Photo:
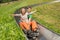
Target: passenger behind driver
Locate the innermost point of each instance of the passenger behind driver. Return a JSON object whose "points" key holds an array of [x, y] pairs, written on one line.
{"points": [[31, 22]]}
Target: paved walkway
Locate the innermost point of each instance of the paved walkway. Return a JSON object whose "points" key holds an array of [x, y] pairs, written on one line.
{"points": [[39, 4], [49, 35]]}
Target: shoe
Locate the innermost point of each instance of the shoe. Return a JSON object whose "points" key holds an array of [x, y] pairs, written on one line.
{"points": [[34, 37], [36, 31], [25, 31]]}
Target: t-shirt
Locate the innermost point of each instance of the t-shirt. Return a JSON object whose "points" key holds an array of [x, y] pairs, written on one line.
{"points": [[23, 17], [29, 16], [26, 16]]}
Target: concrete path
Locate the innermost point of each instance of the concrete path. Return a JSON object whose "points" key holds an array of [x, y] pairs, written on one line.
{"points": [[49, 35], [39, 4]]}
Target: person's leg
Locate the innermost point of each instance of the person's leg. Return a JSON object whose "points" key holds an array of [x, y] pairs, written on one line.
{"points": [[24, 26], [30, 24], [21, 25], [27, 27], [34, 25]]}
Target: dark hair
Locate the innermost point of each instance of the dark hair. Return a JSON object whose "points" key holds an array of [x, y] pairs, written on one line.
{"points": [[21, 9], [29, 7]]}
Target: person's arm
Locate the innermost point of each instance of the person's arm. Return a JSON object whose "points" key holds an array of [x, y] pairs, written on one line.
{"points": [[30, 16], [15, 14], [29, 19], [33, 12]]}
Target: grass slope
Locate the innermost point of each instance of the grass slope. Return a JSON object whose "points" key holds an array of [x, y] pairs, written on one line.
{"points": [[49, 16], [8, 28]]}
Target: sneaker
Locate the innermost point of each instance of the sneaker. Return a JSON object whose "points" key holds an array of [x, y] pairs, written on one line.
{"points": [[34, 37], [25, 31]]}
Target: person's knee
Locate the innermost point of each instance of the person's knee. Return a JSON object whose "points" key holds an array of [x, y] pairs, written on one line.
{"points": [[28, 28], [34, 21]]}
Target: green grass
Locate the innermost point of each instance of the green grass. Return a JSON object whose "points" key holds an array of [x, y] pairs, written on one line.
{"points": [[9, 30], [48, 16]]}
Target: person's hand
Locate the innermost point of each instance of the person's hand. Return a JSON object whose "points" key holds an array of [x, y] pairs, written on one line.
{"points": [[35, 10], [12, 14]]}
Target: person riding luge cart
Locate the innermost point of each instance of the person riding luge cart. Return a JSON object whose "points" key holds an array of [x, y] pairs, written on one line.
{"points": [[34, 32], [28, 25]]}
